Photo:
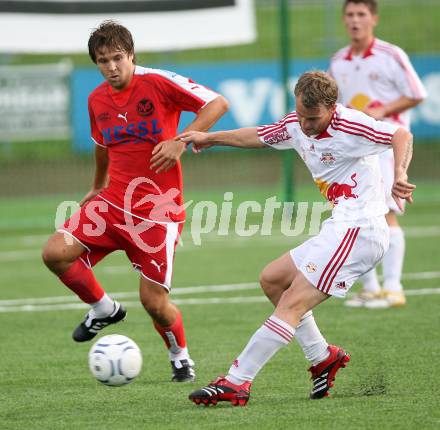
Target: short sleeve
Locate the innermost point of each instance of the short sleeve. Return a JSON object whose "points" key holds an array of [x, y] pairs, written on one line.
{"points": [[406, 79], [330, 69], [279, 134], [95, 133], [183, 93]]}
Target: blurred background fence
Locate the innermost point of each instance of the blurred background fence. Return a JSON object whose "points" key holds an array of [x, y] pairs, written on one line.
{"points": [[36, 172]]}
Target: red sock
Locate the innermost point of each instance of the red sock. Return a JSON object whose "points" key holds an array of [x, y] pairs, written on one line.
{"points": [[82, 282], [174, 335]]}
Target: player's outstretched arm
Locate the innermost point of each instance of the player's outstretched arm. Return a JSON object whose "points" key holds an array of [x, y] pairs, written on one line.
{"points": [[100, 181], [209, 115], [402, 143], [241, 138]]}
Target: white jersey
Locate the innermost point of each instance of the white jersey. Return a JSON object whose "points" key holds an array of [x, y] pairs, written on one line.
{"points": [[342, 159], [382, 75]]}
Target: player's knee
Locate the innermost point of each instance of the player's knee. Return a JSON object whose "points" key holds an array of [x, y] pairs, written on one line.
{"points": [[268, 283], [57, 252], [262, 280], [265, 285], [266, 279], [51, 256]]}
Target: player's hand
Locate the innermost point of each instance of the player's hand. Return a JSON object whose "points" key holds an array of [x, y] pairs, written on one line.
{"points": [[90, 195], [198, 139], [402, 189], [166, 154], [378, 113]]}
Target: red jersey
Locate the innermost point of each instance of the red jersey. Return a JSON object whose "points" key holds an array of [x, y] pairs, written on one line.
{"points": [[129, 124]]}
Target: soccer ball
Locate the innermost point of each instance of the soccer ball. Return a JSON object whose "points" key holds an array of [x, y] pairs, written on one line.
{"points": [[115, 360]]}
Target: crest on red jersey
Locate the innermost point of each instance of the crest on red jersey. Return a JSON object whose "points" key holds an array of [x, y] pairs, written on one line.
{"points": [[145, 107], [104, 116]]}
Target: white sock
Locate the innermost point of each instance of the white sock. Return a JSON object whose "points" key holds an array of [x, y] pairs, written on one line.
{"points": [[266, 341], [370, 282], [104, 307], [393, 261], [311, 340], [183, 354]]}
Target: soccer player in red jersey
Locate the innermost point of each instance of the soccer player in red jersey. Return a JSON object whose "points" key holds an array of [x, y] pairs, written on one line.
{"points": [[135, 203]]}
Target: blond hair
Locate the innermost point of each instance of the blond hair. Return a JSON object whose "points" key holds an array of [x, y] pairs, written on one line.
{"points": [[316, 88]]}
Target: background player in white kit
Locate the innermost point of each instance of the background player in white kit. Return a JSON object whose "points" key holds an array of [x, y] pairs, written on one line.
{"points": [[377, 78], [338, 146]]}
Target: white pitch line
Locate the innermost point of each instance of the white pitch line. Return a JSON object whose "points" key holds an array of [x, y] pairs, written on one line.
{"points": [[418, 275], [182, 290], [74, 306], [126, 268], [175, 291], [429, 230], [422, 292], [192, 301], [28, 254], [215, 241], [203, 301]]}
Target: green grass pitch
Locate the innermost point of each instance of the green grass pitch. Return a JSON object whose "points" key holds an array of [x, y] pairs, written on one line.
{"points": [[391, 381]]}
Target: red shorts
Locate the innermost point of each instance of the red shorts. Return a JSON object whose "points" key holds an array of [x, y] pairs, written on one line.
{"points": [[102, 228]]}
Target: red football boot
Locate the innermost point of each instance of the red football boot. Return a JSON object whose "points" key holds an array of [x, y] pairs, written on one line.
{"points": [[323, 374], [221, 390]]}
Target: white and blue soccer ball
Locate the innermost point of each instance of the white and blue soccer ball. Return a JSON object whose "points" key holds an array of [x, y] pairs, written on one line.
{"points": [[115, 360]]}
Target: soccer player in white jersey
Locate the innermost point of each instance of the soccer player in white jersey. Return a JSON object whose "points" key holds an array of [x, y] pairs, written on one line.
{"points": [[377, 78], [338, 145]]}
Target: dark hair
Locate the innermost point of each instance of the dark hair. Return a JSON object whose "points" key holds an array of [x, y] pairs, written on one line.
{"points": [[112, 35], [315, 88], [371, 4]]}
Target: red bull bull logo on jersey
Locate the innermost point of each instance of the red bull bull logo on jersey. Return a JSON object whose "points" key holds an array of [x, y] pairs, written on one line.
{"points": [[327, 159], [334, 191]]}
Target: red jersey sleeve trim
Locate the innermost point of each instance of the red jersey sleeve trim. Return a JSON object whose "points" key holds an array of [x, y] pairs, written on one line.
{"points": [[180, 88], [99, 144]]}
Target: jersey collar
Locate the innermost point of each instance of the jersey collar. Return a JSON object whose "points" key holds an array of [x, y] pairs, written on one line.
{"points": [[325, 134], [367, 53], [120, 98]]}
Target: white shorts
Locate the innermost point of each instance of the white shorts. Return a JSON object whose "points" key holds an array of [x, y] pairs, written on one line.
{"points": [[342, 252], [386, 161]]}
